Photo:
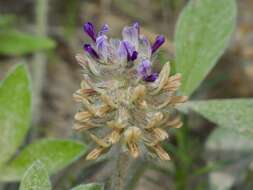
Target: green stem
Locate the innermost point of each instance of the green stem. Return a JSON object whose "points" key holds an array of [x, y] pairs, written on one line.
{"points": [[137, 170], [121, 171], [40, 60]]}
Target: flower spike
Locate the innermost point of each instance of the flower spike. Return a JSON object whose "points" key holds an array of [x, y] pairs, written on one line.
{"points": [[125, 102]]}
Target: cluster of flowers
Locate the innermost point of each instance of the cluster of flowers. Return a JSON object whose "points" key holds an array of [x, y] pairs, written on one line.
{"points": [[125, 102], [134, 47]]}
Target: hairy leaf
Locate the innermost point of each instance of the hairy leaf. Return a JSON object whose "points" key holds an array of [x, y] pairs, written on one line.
{"points": [[202, 33], [15, 111], [36, 178], [235, 114], [55, 154]]}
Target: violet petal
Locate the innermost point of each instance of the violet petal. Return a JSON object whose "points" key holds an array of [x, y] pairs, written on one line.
{"points": [[90, 50], [121, 52], [144, 68], [102, 46], [158, 42], [151, 78], [90, 30], [130, 34], [134, 56], [104, 30], [137, 26], [129, 49]]}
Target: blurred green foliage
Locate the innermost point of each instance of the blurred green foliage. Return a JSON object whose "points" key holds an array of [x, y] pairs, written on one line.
{"points": [[16, 43]]}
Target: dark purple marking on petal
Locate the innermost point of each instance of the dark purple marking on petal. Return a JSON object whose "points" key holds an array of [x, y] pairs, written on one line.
{"points": [[158, 42], [90, 50], [151, 78], [90, 30], [144, 68], [134, 56], [130, 49]]}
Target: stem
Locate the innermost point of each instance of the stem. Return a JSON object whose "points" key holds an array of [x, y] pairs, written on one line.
{"points": [[121, 170], [39, 62], [137, 169]]}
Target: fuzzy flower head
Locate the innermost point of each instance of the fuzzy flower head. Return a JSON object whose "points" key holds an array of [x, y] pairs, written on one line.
{"points": [[125, 101]]}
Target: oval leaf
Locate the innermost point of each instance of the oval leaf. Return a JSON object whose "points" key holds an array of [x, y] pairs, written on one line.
{"points": [[91, 186], [55, 154], [36, 178], [15, 111], [202, 33], [17, 43], [236, 114]]}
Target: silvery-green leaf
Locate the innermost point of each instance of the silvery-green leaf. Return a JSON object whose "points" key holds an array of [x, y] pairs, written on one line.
{"points": [[234, 114], [202, 33], [15, 111], [55, 154], [36, 178]]}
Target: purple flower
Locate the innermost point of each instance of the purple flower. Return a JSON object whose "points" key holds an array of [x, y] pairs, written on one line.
{"points": [[117, 51], [89, 49], [158, 42], [131, 52], [102, 46], [137, 26], [121, 53], [134, 56], [90, 30], [131, 35], [151, 78], [145, 71], [103, 30], [133, 46]]}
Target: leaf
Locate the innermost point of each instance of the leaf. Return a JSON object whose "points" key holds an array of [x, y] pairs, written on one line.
{"points": [[202, 33], [15, 111], [17, 43], [36, 178], [6, 21], [232, 149], [91, 186], [55, 154], [234, 114]]}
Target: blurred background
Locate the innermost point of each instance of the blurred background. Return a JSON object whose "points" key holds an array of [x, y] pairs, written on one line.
{"points": [[46, 34]]}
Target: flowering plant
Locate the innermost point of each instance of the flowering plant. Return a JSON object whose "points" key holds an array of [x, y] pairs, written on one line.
{"points": [[124, 95], [130, 102]]}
